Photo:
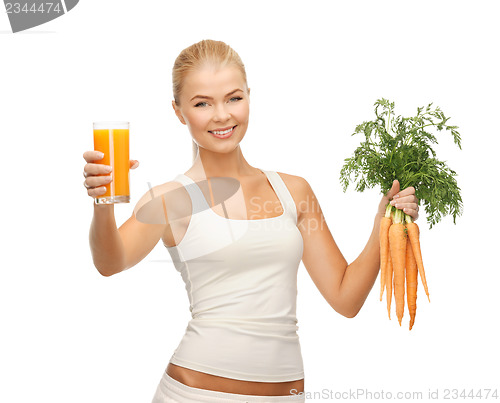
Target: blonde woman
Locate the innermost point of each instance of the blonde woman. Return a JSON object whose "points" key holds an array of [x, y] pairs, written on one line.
{"points": [[236, 234]]}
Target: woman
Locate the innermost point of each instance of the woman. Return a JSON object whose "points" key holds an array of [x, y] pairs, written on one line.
{"points": [[237, 256]]}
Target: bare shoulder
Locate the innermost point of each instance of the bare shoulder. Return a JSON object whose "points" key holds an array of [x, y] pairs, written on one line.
{"points": [[293, 182], [299, 189], [163, 203]]}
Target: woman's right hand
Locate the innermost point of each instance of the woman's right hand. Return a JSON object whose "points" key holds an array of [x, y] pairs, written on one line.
{"points": [[98, 175]]}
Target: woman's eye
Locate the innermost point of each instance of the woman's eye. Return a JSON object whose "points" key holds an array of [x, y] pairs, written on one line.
{"points": [[233, 99]]}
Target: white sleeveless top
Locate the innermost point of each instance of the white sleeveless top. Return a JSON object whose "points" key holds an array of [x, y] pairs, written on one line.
{"points": [[241, 280]]}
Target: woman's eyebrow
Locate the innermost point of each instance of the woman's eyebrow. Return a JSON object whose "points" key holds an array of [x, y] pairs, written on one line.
{"points": [[207, 97]]}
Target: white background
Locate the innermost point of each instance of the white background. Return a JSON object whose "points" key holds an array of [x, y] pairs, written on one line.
{"points": [[315, 69]]}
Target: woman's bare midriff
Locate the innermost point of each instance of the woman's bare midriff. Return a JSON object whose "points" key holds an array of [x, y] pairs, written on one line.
{"points": [[201, 380]]}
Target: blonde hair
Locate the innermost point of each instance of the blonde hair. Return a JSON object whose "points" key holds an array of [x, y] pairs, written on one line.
{"points": [[205, 52]]}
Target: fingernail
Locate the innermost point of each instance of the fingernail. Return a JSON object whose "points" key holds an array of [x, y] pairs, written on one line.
{"points": [[108, 168], [395, 197], [100, 155]]}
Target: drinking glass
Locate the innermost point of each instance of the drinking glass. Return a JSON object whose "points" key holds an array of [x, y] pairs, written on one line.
{"points": [[112, 139]]}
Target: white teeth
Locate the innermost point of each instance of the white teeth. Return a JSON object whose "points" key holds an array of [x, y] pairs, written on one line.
{"points": [[223, 132]]}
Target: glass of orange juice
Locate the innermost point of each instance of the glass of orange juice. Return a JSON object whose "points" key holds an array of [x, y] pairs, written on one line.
{"points": [[112, 139]]}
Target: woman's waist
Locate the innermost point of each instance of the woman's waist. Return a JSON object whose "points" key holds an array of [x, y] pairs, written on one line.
{"points": [[241, 352], [202, 380], [256, 326], [244, 309]]}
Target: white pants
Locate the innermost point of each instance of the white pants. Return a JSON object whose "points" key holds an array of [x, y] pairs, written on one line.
{"points": [[172, 391]]}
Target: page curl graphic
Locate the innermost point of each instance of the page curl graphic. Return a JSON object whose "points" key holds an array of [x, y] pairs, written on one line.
{"points": [[26, 14]]}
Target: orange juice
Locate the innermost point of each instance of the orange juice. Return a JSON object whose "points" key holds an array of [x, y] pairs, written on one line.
{"points": [[112, 139]]}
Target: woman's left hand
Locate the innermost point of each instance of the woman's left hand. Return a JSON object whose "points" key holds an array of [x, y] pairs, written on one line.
{"points": [[403, 200]]}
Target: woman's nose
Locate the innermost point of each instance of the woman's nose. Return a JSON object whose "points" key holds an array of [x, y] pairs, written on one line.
{"points": [[221, 114]]}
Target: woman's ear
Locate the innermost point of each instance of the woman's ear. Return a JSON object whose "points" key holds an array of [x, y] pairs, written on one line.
{"points": [[178, 112]]}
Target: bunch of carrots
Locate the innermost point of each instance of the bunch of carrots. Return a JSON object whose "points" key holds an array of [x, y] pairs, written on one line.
{"points": [[397, 147], [400, 262]]}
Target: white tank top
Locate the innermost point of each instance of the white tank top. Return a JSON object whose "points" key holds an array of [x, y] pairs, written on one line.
{"points": [[241, 280]]}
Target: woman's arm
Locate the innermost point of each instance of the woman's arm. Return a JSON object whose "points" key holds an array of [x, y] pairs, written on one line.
{"points": [[117, 249], [105, 242], [360, 275], [344, 286]]}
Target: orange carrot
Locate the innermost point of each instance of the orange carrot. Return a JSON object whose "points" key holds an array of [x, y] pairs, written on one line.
{"points": [[414, 233], [397, 245], [411, 282], [385, 223], [388, 284]]}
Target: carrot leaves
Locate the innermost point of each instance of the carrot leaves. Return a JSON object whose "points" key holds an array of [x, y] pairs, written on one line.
{"points": [[396, 147]]}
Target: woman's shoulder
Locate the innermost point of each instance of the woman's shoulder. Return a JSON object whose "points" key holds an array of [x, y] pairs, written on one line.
{"points": [[298, 188], [294, 183]]}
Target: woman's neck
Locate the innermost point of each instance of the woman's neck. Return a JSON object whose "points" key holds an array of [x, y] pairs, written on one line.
{"points": [[210, 164]]}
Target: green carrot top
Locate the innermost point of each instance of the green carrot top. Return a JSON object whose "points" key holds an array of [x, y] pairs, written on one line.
{"points": [[396, 147]]}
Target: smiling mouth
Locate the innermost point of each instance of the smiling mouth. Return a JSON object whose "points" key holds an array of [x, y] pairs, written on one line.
{"points": [[222, 132]]}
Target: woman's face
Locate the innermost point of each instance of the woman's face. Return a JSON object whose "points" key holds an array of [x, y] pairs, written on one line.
{"points": [[213, 102]]}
